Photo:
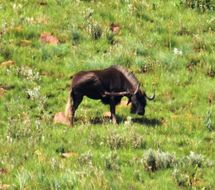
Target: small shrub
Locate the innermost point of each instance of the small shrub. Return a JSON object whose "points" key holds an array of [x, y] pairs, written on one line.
{"points": [[189, 170], [154, 160], [111, 38], [137, 141], [181, 178], [96, 31], [209, 120], [86, 159], [6, 51], [76, 37], [115, 141], [34, 93], [211, 71], [28, 73], [112, 161], [138, 176], [195, 159], [201, 5]]}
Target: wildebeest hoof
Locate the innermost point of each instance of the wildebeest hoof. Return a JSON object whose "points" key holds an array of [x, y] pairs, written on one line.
{"points": [[62, 119]]}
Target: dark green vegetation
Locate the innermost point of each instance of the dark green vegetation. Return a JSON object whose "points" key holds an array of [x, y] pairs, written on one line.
{"points": [[169, 45]]}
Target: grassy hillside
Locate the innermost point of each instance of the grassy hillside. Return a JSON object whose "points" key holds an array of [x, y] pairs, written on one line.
{"points": [[169, 45]]}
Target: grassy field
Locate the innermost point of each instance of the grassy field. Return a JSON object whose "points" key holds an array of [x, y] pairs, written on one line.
{"points": [[169, 45]]}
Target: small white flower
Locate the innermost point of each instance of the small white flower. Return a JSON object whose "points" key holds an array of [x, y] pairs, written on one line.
{"points": [[29, 73], [128, 121], [34, 93], [176, 51], [14, 6], [19, 6], [9, 139]]}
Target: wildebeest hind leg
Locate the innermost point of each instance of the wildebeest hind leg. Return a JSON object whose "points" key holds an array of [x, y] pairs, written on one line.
{"points": [[113, 110], [77, 99]]}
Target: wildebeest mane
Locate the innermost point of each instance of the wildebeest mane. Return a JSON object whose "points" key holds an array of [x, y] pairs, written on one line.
{"points": [[128, 75]]}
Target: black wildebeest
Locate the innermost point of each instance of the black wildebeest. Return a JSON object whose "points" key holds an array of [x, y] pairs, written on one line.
{"points": [[108, 85]]}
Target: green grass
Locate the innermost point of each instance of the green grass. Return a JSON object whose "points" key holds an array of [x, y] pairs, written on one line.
{"points": [[170, 48]]}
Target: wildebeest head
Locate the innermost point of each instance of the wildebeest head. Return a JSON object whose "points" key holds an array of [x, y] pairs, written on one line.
{"points": [[138, 102]]}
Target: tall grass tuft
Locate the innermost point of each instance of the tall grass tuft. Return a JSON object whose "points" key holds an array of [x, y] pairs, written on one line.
{"points": [[210, 120], [76, 37], [112, 161], [96, 31]]}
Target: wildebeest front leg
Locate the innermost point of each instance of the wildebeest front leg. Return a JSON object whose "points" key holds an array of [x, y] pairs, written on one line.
{"points": [[113, 110]]}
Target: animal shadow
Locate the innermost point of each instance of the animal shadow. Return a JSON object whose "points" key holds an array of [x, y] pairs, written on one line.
{"points": [[152, 122], [103, 120]]}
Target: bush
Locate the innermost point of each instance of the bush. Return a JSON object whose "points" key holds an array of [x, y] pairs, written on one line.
{"points": [[112, 161], [189, 169], [201, 5], [182, 179], [96, 31], [76, 37], [211, 71], [137, 141], [115, 141], [210, 120], [195, 159], [111, 38], [155, 160], [86, 159]]}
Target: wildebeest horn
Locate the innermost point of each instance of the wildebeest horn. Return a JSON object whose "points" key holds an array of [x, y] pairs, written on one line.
{"points": [[135, 92], [150, 98], [124, 93]]}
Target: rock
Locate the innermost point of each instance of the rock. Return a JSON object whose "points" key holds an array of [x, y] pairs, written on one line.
{"points": [[46, 37], [3, 171], [61, 118], [25, 43], [2, 91], [69, 154], [7, 63], [114, 28], [107, 114], [4, 186]]}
